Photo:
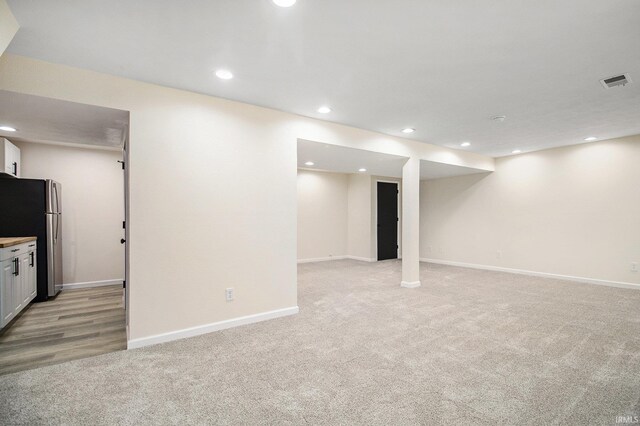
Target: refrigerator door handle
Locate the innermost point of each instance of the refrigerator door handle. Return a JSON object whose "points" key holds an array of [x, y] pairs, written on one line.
{"points": [[53, 197], [56, 208], [55, 237]]}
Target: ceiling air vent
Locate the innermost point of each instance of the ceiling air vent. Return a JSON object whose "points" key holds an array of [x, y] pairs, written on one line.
{"points": [[618, 80]]}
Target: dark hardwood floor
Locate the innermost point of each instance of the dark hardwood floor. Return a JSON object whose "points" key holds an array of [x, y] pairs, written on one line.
{"points": [[76, 324]]}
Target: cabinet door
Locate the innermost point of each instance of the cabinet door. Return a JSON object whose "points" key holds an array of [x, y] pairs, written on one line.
{"points": [[25, 279], [7, 307], [18, 284], [16, 160], [7, 155], [11, 155], [32, 287]]}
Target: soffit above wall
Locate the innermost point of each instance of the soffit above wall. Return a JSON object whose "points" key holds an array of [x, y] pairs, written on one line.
{"points": [[433, 170], [340, 159], [46, 120]]}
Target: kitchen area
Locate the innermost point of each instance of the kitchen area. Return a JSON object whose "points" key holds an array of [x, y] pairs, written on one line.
{"points": [[62, 229]]}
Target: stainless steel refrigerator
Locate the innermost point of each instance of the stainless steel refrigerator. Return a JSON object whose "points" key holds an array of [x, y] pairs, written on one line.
{"points": [[33, 207]]}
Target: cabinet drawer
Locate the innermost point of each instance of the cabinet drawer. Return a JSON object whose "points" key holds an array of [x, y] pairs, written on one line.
{"points": [[17, 250]]}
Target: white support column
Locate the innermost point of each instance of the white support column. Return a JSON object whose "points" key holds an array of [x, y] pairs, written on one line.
{"points": [[411, 224]]}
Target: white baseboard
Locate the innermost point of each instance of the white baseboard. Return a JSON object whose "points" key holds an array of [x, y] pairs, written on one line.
{"points": [[361, 259], [410, 284], [325, 259], [321, 259], [209, 328], [618, 284], [89, 284]]}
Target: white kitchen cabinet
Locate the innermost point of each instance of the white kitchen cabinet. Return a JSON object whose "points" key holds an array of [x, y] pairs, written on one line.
{"points": [[9, 158], [18, 273], [25, 282]]}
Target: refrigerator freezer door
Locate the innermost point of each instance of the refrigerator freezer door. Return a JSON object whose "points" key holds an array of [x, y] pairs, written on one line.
{"points": [[54, 197]]}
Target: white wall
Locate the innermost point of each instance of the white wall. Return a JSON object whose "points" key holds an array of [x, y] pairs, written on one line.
{"points": [[322, 214], [92, 203], [571, 211], [359, 241], [8, 26], [212, 192]]}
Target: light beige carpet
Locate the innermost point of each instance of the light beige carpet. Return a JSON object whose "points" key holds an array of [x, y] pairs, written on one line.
{"points": [[468, 347]]}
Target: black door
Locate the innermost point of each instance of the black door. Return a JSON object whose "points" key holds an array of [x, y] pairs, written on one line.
{"points": [[387, 220]]}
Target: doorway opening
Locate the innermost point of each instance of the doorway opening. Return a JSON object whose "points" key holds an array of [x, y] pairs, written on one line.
{"points": [[73, 156], [388, 220], [337, 215]]}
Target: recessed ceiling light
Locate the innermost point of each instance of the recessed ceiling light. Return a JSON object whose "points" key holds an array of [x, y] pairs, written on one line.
{"points": [[408, 130], [516, 151], [465, 144], [591, 139], [362, 170], [224, 74], [284, 3], [7, 129], [309, 163], [324, 110]]}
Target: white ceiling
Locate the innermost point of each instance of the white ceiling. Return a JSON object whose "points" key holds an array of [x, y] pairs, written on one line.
{"points": [[46, 120], [340, 159], [443, 67]]}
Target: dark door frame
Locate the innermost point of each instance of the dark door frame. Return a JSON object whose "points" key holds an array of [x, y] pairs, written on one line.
{"points": [[126, 225]]}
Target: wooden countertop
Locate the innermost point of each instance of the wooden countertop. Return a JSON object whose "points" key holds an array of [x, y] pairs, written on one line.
{"points": [[14, 241]]}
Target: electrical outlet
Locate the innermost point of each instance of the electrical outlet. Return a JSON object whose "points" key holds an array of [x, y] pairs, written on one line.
{"points": [[499, 254], [634, 266], [229, 294]]}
